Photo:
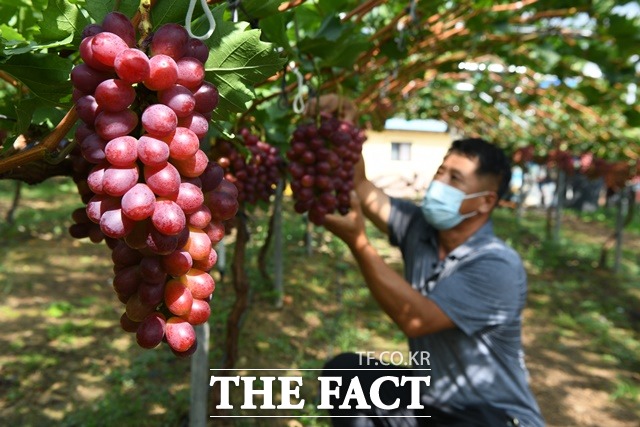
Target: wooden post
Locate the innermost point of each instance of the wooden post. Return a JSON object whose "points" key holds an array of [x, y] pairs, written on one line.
{"points": [[561, 193], [623, 206], [278, 245], [200, 379], [523, 192], [14, 204], [308, 235]]}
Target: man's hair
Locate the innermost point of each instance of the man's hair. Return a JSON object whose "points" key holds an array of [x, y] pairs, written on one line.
{"points": [[492, 161]]}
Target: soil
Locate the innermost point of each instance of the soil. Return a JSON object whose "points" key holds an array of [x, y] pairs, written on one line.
{"points": [[571, 383]]}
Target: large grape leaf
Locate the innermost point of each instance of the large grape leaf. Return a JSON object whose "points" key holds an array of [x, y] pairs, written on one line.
{"points": [[258, 9], [30, 68], [633, 117], [98, 9], [60, 19], [237, 61], [24, 113], [172, 11]]}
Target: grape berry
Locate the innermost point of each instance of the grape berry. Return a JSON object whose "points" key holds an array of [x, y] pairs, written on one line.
{"points": [[149, 190]]}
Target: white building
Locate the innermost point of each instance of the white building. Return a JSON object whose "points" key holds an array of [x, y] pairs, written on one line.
{"points": [[403, 158]]}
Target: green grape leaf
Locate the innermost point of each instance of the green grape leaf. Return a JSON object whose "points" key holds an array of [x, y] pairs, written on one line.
{"points": [[99, 9], [238, 60], [10, 33], [14, 47], [166, 11], [29, 69], [60, 19], [24, 113], [258, 9], [633, 117], [274, 30]]}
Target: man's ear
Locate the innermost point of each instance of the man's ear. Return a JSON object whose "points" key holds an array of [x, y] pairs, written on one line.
{"points": [[489, 201]]}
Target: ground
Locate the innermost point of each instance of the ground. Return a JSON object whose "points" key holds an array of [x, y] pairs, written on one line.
{"points": [[65, 361]]}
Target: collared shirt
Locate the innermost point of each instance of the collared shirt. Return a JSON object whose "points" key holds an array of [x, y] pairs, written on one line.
{"points": [[481, 286]]}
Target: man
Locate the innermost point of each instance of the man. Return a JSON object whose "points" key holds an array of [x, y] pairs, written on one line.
{"points": [[461, 298]]}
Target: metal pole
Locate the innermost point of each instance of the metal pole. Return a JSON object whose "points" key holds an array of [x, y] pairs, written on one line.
{"points": [[200, 378]]}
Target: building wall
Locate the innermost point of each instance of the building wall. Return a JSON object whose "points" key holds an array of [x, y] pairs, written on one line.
{"points": [[404, 178]]}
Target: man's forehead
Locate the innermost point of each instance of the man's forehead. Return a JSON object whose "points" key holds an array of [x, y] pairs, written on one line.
{"points": [[460, 162]]}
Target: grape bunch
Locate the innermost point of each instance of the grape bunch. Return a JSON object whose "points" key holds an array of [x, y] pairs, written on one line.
{"points": [[321, 166], [256, 179], [148, 187]]}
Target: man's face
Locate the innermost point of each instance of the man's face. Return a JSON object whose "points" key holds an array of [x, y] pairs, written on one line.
{"points": [[458, 171]]}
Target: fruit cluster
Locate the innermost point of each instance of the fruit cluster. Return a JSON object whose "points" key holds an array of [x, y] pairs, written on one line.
{"points": [[321, 166], [257, 175], [149, 188]]}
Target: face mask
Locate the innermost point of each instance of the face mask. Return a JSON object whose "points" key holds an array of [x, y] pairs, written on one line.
{"points": [[441, 205]]}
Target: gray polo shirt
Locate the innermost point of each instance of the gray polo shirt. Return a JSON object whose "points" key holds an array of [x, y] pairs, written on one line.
{"points": [[481, 285]]}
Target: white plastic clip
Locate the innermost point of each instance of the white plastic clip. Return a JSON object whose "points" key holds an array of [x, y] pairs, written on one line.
{"points": [[298, 101], [207, 12]]}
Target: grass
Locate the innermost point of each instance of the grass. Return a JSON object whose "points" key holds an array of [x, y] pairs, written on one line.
{"points": [[65, 361]]}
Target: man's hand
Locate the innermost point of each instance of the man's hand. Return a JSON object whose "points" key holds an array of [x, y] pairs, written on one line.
{"points": [[338, 106], [350, 227]]}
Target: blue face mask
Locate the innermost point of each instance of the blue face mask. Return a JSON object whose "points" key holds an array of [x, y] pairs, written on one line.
{"points": [[441, 205]]}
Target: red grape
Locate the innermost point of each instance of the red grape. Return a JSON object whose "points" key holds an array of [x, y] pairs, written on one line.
{"points": [[159, 120], [163, 73], [168, 218], [184, 144], [152, 151], [164, 180], [199, 313], [119, 24], [197, 49], [138, 202], [207, 98], [132, 66], [180, 334], [110, 125], [190, 72], [122, 151], [170, 39], [150, 332], [177, 297], [106, 46], [179, 99]]}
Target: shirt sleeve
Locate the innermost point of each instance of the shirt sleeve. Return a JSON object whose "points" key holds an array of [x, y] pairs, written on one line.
{"points": [[487, 290], [399, 222]]}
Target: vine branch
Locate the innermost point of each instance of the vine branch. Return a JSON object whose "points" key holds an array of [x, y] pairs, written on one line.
{"points": [[45, 148]]}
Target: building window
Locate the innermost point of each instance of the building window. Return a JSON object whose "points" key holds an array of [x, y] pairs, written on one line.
{"points": [[401, 151]]}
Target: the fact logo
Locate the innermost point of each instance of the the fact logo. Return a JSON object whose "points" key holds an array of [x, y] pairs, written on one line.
{"points": [[288, 388]]}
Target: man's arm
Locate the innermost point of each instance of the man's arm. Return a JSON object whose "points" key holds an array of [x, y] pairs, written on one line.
{"points": [[414, 313], [375, 204]]}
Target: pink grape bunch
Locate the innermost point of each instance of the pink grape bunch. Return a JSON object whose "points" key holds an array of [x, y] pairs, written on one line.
{"points": [[321, 166], [256, 177], [150, 190]]}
